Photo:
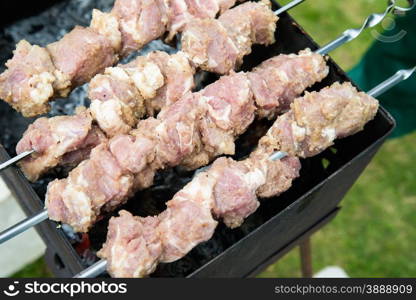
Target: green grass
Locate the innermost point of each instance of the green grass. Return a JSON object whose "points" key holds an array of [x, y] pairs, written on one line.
{"points": [[374, 234], [37, 269]]}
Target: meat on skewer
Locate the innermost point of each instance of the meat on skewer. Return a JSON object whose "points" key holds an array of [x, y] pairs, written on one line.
{"points": [[117, 107], [228, 191], [36, 75], [62, 141], [125, 93], [190, 132], [120, 97]]}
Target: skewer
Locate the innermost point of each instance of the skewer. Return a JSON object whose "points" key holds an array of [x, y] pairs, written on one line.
{"points": [[15, 159], [100, 266], [94, 270], [24, 225], [42, 216], [23, 155], [350, 34], [371, 21], [288, 6], [392, 81]]}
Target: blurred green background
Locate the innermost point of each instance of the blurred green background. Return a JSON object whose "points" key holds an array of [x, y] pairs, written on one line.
{"points": [[374, 234]]}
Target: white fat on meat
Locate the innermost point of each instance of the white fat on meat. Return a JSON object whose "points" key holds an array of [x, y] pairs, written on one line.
{"points": [[109, 116], [78, 204], [107, 25], [147, 79], [329, 133], [187, 220]]}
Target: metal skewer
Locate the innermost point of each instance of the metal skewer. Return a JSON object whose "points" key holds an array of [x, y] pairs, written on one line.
{"points": [[350, 34], [15, 159], [371, 21], [100, 266], [42, 216], [23, 226], [392, 81], [288, 6], [94, 270]]}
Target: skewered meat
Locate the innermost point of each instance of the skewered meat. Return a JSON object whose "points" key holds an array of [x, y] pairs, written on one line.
{"points": [[283, 77], [124, 94], [228, 189], [92, 54], [130, 234], [318, 118], [140, 22], [31, 79], [36, 75], [183, 11], [185, 132], [55, 137], [116, 109], [219, 45]]}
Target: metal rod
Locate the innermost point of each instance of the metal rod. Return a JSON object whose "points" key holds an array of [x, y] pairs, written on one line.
{"points": [[398, 9], [350, 34], [392, 81], [93, 271], [23, 226], [288, 6], [15, 159], [278, 155]]}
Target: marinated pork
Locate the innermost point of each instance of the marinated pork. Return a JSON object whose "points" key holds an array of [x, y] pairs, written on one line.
{"points": [[36, 75], [228, 191], [190, 132]]}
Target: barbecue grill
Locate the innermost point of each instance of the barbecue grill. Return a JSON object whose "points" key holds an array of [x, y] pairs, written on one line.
{"points": [[313, 199]]}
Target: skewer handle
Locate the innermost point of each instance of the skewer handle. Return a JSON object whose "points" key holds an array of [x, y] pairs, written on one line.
{"points": [[94, 270], [23, 226], [392, 81], [15, 159], [350, 34], [288, 6]]}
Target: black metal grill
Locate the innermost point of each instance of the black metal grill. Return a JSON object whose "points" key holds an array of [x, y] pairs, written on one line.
{"points": [[241, 252]]}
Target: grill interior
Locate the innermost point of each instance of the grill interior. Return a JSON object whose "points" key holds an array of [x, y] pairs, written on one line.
{"points": [[54, 22]]}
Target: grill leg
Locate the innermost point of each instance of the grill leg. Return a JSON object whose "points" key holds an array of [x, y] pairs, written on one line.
{"points": [[306, 258]]}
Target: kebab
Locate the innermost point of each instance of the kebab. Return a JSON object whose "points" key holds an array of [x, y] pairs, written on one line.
{"points": [[190, 132], [55, 70], [36, 75], [125, 93], [24, 225], [229, 190], [111, 115]]}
